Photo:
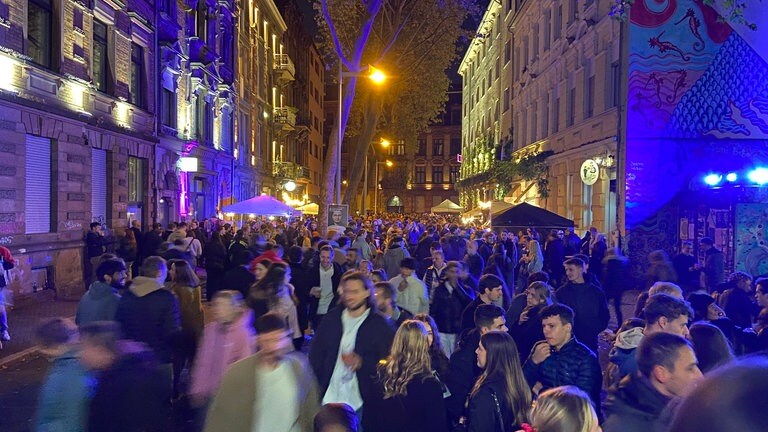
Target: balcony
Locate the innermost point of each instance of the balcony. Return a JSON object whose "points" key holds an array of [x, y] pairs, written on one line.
{"points": [[290, 170], [286, 117], [285, 70]]}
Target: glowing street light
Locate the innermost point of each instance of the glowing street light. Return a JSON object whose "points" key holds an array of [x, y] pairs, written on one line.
{"points": [[389, 163], [376, 75], [385, 143]]}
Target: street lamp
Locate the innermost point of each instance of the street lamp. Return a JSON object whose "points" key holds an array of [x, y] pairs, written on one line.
{"points": [[389, 164], [384, 144], [377, 77]]}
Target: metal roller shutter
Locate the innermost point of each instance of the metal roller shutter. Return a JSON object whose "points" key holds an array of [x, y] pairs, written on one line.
{"points": [[99, 185], [37, 200]]}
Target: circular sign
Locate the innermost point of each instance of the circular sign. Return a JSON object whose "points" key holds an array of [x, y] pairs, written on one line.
{"points": [[590, 172]]}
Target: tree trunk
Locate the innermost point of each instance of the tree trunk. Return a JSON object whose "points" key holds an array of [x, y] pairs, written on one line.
{"points": [[363, 144], [330, 162]]}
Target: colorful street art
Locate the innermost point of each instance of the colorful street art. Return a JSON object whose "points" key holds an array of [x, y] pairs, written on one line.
{"points": [[697, 101], [752, 238]]}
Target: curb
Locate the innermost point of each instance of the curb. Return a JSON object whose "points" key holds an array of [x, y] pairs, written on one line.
{"points": [[19, 355]]}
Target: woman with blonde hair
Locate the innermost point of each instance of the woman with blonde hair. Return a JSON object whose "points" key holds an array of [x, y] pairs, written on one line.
{"points": [[409, 397], [563, 409], [501, 397], [527, 330]]}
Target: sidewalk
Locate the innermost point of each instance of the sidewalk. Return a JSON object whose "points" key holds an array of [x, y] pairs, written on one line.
{"points": [[24, 317]]}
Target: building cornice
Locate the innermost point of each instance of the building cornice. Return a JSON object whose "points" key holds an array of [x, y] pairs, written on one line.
{"points": [[492, 14]]}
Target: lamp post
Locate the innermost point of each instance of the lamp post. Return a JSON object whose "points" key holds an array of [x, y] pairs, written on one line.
{"points": [[377, 77], [384, 144], [389, 164]]}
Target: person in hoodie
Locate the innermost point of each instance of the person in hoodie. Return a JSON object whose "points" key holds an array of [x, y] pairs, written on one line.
{"points": [[587, 301], [226, 340], [394, 255], [668, 369], [149, 313], [131, 393], [615, 277], [99, 303], [64, 396]]}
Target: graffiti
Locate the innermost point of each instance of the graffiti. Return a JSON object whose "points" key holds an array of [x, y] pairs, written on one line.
{"points": [[680, 84], [664, 46], [5, 241], [100, 219], [657, 81], [693, 24], [72, 225]]}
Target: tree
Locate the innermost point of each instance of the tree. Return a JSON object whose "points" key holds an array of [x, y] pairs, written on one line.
{"points": [[405, 38]]}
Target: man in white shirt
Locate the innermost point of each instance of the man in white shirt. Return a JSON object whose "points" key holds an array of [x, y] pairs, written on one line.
{"points": [[324, 282], [412, 295], [273, 390], [349, 344]]}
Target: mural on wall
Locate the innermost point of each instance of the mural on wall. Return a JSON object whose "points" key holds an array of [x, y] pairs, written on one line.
{"points": [[697, 101], [751, 238]]}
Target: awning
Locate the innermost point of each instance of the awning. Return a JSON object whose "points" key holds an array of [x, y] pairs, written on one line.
{"points": [[527, 215], [263, 205], [447, 206]]}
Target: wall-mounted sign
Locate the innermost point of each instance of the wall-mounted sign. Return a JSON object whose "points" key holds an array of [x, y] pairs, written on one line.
{"points": [[188, 164], [590, 172]]}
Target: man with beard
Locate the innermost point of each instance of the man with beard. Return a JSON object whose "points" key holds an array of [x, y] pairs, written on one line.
{"points": [[349, 343], [100, 301]]}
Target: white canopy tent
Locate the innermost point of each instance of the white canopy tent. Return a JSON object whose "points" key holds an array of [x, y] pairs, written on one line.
{"points": [[263, 205], [447, 206]]}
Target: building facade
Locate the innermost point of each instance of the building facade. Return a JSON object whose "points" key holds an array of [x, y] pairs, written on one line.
{"points": [[429, 174], [77, 107], [544, 77]]}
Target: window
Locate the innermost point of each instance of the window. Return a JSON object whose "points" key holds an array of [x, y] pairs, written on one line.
{"points": [[422, 150], [437, 147], [39, 32], [506, 100], [558, 22], [589, 100], [400, 149], [455, 146], [571, 114], [507, 52], [136, 176], [101, 72], [455, 173], [573, 10], [437, 174], [201, 20], [547, 28], [137, 90], [556, 115], [208, 123], [615, 90], [37, 197], [420, 175], [168, 107]]}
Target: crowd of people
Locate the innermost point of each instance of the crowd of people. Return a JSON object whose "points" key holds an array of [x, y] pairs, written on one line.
{"points": [[409, 324]]}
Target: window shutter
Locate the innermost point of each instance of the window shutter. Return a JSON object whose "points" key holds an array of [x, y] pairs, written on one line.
{"points": [[37, 200], [99, 186]]}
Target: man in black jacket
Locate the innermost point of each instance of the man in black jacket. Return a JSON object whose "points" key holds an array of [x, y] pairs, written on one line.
{"points": [[350, 342], [323, 281], [386, 296], [94, 248], [587, 301], [667, 369], [240, 277], [463, 366], [149, 313], [561, 359]]}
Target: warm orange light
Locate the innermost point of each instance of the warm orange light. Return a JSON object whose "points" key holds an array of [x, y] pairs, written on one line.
{"points": [[385, 142], [389, 163], [376, 75]]}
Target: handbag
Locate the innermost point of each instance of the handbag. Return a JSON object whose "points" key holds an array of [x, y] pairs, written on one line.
{"points": [[498, 411]]}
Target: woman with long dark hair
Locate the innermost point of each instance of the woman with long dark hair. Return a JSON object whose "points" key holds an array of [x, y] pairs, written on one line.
{"points": [[501, 398], [410, 398], [274, 293], [215, 256], [437, 355]]}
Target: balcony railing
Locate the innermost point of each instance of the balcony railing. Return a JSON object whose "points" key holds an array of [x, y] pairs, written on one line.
{"points": [[290, 170], [286, 117], [284, 67]]}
